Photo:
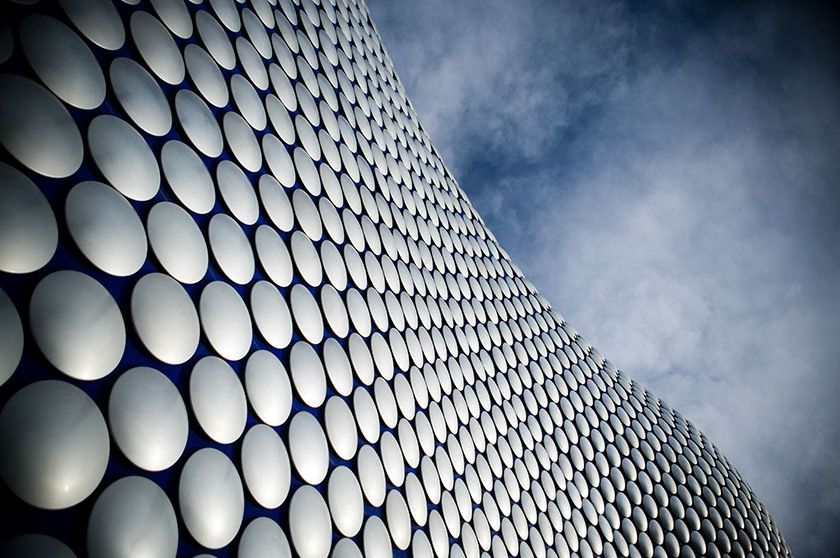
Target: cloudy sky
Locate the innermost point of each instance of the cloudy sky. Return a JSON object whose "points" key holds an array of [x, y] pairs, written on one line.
{"points": [[668, 175]]}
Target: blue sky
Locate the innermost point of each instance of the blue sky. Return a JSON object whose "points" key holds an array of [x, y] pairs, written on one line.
{"points": [[668, 175]]}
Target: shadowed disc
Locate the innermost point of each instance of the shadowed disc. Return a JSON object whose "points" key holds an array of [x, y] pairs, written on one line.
{"points": [[55, 445]]}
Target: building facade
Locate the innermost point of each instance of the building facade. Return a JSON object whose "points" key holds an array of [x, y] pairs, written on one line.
{"points": [[247, 311]]}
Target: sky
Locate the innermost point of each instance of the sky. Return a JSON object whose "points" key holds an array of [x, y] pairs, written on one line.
{"points": [[668, 175]]}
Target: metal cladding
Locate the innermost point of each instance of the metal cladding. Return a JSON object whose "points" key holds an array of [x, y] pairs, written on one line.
{"points": [[245, 310]]}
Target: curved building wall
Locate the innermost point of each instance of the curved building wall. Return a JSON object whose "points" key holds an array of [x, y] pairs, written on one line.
{"points": [[246, 311]]}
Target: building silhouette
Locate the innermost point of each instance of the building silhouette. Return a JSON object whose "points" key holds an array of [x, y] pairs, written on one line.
{"points": [[247, 311]]}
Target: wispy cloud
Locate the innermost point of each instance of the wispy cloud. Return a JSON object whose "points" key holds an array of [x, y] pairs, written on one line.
{"points": [[669, 179]]}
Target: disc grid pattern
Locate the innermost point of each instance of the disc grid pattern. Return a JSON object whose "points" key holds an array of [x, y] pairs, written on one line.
{"points": [[247, 311]]}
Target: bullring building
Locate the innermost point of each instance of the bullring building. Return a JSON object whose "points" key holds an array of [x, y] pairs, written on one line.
{"points": [[246, 311]]}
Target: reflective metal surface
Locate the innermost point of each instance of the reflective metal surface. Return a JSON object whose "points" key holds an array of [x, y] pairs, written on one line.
{"points": [[132, 513], [175, 15], [273, 255], [361, 359], [237, 192], [308, 448], [227, 13], [271, 314], [406, 389], [11, 338], [105, 228], [278, 160], [307, 138], [307, 374], [55, 445], [335, 311], [36, 129], [377, 543], [210, 498], [77, 325], [199, 123], [205, 73], [346, 548], [371, 475], [265, 466], [345, 500], [177, 242], [62, 61], [123, 157], [148, 419], [140, 96], [215, 39], [307, 314], [28, 230], [276, 203], [26, 546], [399, 522], [251, 63], [341, 427], [263, 538], [280, 77], [338, 367], [306, 259], [218, 400], [268, 387], [307, 215], [280, 120], [97, 20], [309, 523], [187, 176], [157, 47], [307, 172], [242, 142], [255, 31], [248, 102], [165, 318], [231, 248]]}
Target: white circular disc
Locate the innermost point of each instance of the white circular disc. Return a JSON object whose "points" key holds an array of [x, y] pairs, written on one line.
{"points": [[77, 325], [27, 546], [210, 498], [231, 249], [28, 230], [36, 129], [140, 96], [309, 523], [11, 338], [218, 400], [265, 466], [62, 61], [188, 177], [177, 242], [341, 427], [148, 419], [308, 448], [346, 503], [106, 228], [268, 387], [225, 320], [132, 513], [274, 256], [307, 314], [123, 157], [308, 374], [271, 314], [165, 319], [55, 444], [263, 538]]}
